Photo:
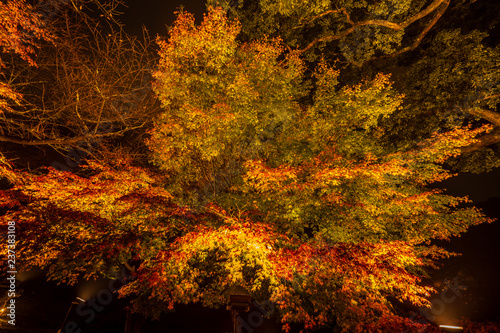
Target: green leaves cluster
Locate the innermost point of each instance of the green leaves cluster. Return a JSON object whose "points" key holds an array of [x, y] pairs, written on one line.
{"points": [[223, 101]]}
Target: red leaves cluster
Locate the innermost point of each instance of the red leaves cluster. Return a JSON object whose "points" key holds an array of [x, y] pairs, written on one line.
{"points": [[20, 30], [20, 26]]}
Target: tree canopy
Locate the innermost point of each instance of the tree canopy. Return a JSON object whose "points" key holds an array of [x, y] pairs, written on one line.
{"points": [[267, 169]]}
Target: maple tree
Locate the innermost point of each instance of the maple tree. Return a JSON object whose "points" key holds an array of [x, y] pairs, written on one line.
{"points": [[362, 29], [261, 180]]}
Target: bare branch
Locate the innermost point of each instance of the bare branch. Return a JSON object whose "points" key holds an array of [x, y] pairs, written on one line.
{"points": [[60, 141]]}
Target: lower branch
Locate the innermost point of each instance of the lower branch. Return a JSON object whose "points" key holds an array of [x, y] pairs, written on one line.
{"points": [[487, 139]]}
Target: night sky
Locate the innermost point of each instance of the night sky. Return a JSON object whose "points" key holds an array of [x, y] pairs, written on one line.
{"points": [[156, 15], [477, 269]]}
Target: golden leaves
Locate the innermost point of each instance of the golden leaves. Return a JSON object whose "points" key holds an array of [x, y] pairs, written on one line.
{"points": [[263, 178], [19, 27], [221, 99]]}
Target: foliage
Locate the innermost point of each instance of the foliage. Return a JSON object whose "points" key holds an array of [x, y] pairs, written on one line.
{"points": [[450, 77], [456, 82], [20, 29], [359, 30], [87, 225], [223, 102]]}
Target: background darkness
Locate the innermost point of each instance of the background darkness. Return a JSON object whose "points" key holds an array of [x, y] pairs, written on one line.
{"points": [[157, 14], [43, 305]]}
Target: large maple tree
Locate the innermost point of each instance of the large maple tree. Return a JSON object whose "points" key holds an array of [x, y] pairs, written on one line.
{"points": [[258, 179]]}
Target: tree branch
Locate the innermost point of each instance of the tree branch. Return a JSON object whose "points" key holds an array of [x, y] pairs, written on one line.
{"points": [[491, 116], [68, 141], [384, 23], [487, 139], [421, 36], [432, 7], [491, 96], [328, 39], [484, 141], [130, 268]]}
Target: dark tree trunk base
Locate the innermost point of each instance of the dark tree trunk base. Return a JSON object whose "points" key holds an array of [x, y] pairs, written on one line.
{"points": [[134, 323]]}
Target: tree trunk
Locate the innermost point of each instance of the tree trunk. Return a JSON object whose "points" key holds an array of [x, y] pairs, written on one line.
{"points": [[134, 322]]}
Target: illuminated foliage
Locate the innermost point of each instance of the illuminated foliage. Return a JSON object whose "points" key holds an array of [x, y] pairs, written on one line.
{"points": [[88, 225], [442, 62], [360, 30], [20, 30], [325, 184], [455, 82], [223, 102]]}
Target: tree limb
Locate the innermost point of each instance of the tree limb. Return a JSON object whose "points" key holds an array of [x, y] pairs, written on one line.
{"points": [[487, 139], [422, 34], [130, 268], [432, 7], [491, 96], [62, 141], [384, 23]]}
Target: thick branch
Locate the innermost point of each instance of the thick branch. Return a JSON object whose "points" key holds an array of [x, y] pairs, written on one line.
{"points": [[492, 96], [487, 139], [484, 141], [422, 34], [491, 116], [62, 141], [384, 23], [328, 39], [432, 7], [130, 268]]}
